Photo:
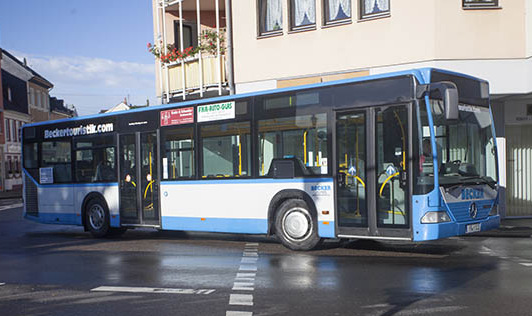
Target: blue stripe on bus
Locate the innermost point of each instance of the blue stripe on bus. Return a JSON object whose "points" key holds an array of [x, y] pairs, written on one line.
{"points": [[56, 218], [326, 230], [244, 181], [219, 225]]}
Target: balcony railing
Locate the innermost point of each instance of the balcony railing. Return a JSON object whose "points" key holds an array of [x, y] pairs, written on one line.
{"points": [[213, 75]]}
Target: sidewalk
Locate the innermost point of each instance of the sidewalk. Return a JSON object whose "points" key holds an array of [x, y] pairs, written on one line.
{"points": [[16, 194]]}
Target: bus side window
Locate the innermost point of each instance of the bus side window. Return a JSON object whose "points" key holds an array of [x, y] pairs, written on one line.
{"points": [[178, 156], [226, 150], [56, 154], [296, 137]]}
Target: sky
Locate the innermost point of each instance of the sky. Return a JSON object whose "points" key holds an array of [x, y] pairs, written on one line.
{"points": [[94, 52]]}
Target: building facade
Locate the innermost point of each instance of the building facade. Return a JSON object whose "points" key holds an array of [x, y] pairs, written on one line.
{"points": [[281, 43]]}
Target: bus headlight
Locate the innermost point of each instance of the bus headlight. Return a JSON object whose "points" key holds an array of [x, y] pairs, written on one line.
{"points": [[494, 210], [435, 217]]}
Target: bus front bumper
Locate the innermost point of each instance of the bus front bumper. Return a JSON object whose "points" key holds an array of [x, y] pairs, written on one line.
{"points": [[442, 230]]}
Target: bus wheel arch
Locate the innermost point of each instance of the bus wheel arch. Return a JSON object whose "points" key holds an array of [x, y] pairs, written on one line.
{"points": [[296, 207], [95, 206]]}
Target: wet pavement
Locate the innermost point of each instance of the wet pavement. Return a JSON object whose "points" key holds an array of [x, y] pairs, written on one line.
{"points": [[61, 270]]}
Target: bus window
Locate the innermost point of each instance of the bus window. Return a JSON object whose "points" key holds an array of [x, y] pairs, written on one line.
{"points": [[95, 159], [226, 150], [423, 166], [31, 160], [178, 159], [56, 154], [302, 137]]}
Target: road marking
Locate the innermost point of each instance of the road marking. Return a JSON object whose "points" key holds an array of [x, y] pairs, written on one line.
{"points": [[241, 299], [526, 264], [250, 254], [243, 286], [246, 275], [7, 207], [151, 290], [247, 267], [249, 260], [233, 313]]}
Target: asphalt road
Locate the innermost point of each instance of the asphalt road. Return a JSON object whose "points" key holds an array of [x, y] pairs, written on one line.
{"points": [[61, 270]]}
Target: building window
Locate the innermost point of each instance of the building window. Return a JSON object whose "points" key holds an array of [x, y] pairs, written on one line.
{"points": [[190, 35], [14, 130], [480, 3], [8, 130], [374, 8], [302, 13], [336, 10], [270, 16], [38, 93], [32, 97]]}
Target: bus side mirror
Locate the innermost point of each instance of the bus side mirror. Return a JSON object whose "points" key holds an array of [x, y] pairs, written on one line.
{"points": [[449, 94]]}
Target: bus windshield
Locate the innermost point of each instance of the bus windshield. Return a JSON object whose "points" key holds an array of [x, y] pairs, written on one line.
{"points": [[465, 147]]}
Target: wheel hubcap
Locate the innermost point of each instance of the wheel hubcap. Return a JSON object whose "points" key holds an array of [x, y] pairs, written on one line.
{"points": [[297, 224], [96, 217]]}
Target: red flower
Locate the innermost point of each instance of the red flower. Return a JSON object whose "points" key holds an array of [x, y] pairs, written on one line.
{"points": [[149, 45]]}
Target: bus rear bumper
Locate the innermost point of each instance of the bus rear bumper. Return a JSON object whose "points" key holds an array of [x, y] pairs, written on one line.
{"points": [[443, 230]]}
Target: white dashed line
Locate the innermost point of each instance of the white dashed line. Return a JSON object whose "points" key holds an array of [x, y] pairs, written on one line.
{"points": [[243, 286], [526, 264], [151, 290], [245, 281], [233, 313], [247, 267], [7, 207], [249, 260], [241, 299]]}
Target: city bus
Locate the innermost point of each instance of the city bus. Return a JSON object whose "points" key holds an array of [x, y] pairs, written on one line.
{"points": [[405, 156]]}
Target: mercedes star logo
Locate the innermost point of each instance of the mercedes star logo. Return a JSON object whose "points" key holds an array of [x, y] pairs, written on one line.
{"points": [[473, 210]]}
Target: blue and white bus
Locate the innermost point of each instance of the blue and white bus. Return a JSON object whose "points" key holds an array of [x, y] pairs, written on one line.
{"points": [[403, 156]]}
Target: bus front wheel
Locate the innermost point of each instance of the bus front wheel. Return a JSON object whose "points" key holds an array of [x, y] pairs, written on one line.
{"points": [[295, 226], [97, 218]]}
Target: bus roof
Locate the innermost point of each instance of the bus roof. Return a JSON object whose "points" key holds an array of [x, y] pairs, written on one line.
{"points": [[423, 76]]}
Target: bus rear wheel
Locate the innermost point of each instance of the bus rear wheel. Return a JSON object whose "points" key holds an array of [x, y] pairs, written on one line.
{"points": [[97, 218], [295, 226]]}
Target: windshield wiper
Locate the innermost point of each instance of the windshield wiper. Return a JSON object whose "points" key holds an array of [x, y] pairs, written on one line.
{"points": [[485, 180]]}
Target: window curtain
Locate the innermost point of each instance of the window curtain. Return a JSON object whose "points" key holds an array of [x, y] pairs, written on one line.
{"points": [[376, 6], [274, 15], [304, 12], [339, 9]]}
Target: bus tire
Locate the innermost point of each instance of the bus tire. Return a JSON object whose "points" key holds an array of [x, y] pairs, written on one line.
{"points": [[97, 218], [295, 225]]}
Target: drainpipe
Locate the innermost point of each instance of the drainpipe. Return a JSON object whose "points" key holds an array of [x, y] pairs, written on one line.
{"points": [[229, 26]]}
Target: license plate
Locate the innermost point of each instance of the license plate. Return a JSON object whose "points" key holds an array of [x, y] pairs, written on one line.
{"points": [[473, 228]]}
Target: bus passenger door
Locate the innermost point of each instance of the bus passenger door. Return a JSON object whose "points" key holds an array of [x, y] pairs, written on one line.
{"points": [[351, 181], [372, 172], [139, 179]]}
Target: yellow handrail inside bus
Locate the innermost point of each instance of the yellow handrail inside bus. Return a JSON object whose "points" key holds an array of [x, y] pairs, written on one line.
{"points": [[305, 146], [239, 155], [386, 181], [402, 138]]}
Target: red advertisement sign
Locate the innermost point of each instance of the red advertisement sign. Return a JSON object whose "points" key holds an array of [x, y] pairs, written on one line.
{"points": [[177, 116]]}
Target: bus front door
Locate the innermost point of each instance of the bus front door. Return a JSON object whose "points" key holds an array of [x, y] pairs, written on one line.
{"points": [[372, 172], [139, 183]]}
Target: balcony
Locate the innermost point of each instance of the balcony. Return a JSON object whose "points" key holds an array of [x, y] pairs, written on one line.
{"points": [[213, 71], [183, 25]]}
